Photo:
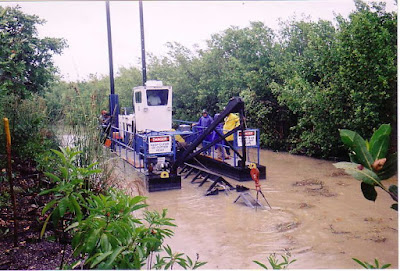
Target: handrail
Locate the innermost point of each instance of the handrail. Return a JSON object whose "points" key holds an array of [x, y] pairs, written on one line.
{"points": [[141, 153]]}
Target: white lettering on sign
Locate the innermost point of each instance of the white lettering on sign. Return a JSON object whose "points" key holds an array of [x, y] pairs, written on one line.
{"points": [[249, 135], [160, 144]]}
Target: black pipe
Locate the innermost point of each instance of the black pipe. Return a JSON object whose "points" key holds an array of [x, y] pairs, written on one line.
{"points": [[235, 105], [144, 75], [214, 142], [243, 128], [110, 55]]}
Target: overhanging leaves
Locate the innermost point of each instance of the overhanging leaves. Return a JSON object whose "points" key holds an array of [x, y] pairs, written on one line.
{"points": [[357, 144], [393, 192], [379, 142], [359, 172], [390, 167], [369, 191]]}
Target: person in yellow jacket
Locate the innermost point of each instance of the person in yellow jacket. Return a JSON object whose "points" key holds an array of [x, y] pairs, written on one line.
{"points": [[180, 141], [231, 121]]}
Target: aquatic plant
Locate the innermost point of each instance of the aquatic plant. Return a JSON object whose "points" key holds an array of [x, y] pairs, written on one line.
{"points": [[178, 258], [370, 266], [275, 263]]}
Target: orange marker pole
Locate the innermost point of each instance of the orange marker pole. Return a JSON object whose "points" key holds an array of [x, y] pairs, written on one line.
{"points": [[10, 179]]}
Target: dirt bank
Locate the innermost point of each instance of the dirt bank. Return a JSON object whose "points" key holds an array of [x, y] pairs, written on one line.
{"points": [[318, 214]]}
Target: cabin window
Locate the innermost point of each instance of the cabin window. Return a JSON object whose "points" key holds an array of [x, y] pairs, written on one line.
{"points": [[138, 97], [156, 97]]}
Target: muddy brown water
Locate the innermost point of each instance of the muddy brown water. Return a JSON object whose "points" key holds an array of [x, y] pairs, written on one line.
{"points": [[318, 215]]}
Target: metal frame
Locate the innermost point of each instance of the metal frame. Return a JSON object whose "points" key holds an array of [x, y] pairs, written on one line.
{"points": [[235, 105]]}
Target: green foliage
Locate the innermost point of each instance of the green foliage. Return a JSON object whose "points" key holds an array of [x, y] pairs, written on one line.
{"points": [[338, 77], [46, 161], [359, 147], [371, 266], [4, 199], [168, 262], [379, 143], [275, 263], [76, 113], [370, 162], [79, 102], [105, 233], [360, 173], [109, 233], [112, 238], [306, 50], [301, 83], [300, 90], [70, 190], [76, 107], [367, 54], [29, 125], [26, 70], [272, 119], [25, 59], [126, 79], [4, 196], [236, 62]]}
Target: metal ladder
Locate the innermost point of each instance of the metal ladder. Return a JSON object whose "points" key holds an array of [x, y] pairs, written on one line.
{"points": [[203, 175]]}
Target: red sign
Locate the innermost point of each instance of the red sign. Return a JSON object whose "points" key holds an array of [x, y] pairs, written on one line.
{"points": [[159, 139], [247, 133], [160, 144], [250, 137]]}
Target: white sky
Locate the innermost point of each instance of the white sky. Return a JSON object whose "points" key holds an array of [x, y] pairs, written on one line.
{"points": [[83, 25]]}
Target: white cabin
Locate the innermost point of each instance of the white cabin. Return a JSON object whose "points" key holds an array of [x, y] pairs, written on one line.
{"points": [[152, 105]]}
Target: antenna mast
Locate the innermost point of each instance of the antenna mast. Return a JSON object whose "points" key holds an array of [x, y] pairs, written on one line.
{"points": [[144, 75], [110, 53]]}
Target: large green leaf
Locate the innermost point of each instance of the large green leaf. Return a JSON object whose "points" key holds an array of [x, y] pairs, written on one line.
{"points": [[63, 205], [92, 240], [113, 240], [64, 173], [100, 258], [137, 199], [48, 191], [49, 205], [393, 192], [379, 142], [55, 217], [104, 243], [60, 155], [368, 191], [52, 177], [113, 256], [390, 167], [353, 158], [357, 144], [76, 207], [347, 137], [360, 263], [359, 172]]}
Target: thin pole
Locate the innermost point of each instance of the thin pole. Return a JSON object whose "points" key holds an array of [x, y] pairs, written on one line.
{"points": [[243, 128], [10, 179], [144, 75], [110, 55]]}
